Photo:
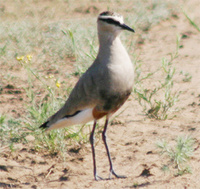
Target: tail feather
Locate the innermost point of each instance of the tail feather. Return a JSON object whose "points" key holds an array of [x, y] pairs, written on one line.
{"points": [[44, 125], [79, 117]]}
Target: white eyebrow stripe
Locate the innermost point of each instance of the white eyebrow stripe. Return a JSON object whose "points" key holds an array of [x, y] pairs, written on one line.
{"points": [[116, 18]]}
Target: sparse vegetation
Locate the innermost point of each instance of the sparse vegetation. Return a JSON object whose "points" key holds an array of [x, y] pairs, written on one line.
{"points": [[10, 133], [187, 76], [40, 109], [178, 154], [158, 101]]}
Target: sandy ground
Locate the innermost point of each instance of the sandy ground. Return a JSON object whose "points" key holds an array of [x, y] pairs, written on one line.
{"points": [[132, 139]]}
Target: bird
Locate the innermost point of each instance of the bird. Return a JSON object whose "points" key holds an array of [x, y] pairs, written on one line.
{"points": [[103, 88]]}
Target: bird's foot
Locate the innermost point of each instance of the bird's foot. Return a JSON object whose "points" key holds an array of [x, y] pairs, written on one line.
{"points": [[96, 177], [112, 172]]}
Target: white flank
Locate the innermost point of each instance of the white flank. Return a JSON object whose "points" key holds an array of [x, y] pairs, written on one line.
{"points": [[81, 118]]}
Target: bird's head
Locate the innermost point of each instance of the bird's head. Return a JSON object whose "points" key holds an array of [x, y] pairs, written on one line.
{"points": [[110, 22]]}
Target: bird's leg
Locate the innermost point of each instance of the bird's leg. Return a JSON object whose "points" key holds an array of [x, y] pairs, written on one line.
{"points": [[96, 177], [112, 172]]}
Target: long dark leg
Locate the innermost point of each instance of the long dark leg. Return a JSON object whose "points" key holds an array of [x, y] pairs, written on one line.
{"points": [[96, 177], [108, 153]]}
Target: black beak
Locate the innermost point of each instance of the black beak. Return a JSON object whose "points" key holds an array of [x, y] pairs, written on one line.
{"points": [[125, 27]]}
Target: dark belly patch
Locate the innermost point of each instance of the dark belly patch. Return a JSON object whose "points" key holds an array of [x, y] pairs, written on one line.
{"points": [[113, 102]]}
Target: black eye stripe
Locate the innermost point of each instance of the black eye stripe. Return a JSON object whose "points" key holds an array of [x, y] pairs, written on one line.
{"points": [[110, 21]]}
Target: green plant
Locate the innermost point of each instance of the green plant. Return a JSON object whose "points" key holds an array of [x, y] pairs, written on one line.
{"points": [[191, 21], [157, 101], [2, 119], [187, 76], [11, 132], [74, 49], [179, 153], [39, 110]]}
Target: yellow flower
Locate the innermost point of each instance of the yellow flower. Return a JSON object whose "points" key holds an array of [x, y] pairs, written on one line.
{"points": [[19, 58], [58, 84], [29, 57]]}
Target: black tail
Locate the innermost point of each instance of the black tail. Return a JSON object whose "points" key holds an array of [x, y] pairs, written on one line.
{"points": [[44, 125]]}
